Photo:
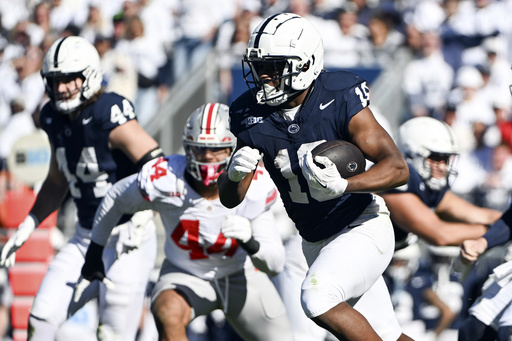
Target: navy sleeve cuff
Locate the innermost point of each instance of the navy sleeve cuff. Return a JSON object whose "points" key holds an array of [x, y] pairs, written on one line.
{"points": [[499, 233]]}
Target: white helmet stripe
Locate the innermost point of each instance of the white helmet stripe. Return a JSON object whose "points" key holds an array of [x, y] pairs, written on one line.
{"points": [[209, 118]]}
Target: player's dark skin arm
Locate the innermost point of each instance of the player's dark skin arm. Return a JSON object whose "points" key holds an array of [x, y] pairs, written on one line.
{"points": [[390, 169], [232, 193]]}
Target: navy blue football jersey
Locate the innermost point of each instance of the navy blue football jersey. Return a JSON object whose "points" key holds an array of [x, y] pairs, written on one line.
{"points": [[417, 186], [335, 98], [83, 153]]}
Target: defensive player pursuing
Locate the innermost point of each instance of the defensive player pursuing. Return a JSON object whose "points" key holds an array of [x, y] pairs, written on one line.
{"points": [[490, 317], [95, 140], [426, 207], [208, 248], [347, 234]]}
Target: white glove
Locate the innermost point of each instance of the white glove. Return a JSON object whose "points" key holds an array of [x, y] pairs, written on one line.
{"points": [[26, 228], [243, 162], [132, 233], [328, 179], [237, 227]]}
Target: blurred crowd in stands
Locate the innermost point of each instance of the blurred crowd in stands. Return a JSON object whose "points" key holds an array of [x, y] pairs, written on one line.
{"points": [[456, 57]]}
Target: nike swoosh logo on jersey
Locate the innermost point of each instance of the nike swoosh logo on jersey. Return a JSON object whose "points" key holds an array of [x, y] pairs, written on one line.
{"points": [[323, 106], [86, 120]]}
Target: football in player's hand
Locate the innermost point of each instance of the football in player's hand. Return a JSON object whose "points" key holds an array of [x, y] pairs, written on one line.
{"points": [[347, 157]]}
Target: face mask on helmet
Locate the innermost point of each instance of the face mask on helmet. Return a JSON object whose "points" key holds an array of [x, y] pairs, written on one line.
{"points": [[207, 130], [288, 52], [67, 60], [423, 138]]}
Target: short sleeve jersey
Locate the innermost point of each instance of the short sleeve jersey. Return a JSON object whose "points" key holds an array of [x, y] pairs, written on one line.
{"points": [[83, 153], [334, 99]]}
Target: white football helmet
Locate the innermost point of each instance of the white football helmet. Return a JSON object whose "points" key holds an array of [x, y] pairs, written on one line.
{"points": [[72, 57], [207, 127], [287, 47], [423, 137]]}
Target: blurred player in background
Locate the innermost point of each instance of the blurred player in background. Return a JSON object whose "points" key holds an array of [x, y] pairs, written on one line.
{"points": [[425, 207], [211, 251], [346, 231], [490, 316], [95, 140]]}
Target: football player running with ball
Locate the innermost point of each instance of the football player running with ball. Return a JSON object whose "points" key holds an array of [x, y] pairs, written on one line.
{"points": [[211, 251], [347, 234], [95, 141]]}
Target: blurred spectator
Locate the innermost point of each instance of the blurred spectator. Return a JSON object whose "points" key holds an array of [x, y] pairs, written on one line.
{"points": [[384, 40], [119, 72], [345, 40], [95, 24], [41, 17], [475, 162], [495, 190], [64, 13], [197, 21], [23, 35], [498, 68], [468, 23], [13, 12], [21, 93], [270, 7], [148, 56], [472, 106], [428, 79], [365, 10], [231, 43]]}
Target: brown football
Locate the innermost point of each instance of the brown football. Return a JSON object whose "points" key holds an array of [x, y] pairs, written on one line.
{"points": [[346, 156]]}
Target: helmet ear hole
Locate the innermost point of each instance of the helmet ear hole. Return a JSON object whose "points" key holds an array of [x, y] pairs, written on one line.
{"points": [[305, 67]]}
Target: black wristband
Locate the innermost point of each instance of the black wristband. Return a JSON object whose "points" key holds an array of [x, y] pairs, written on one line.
{"points": [[251, 247], [152, 154], [93, 267]]}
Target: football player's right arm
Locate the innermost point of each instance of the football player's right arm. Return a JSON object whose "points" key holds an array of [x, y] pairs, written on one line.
{"points": [[123, 197], [410, 214], [235, 181], [48, 199], [454, 208]]}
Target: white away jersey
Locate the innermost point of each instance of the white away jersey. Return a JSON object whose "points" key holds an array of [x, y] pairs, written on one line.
{"points": [[194, 241]]}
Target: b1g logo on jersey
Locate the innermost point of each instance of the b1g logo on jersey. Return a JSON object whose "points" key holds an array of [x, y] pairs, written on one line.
{"points": [[249, 121]]}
